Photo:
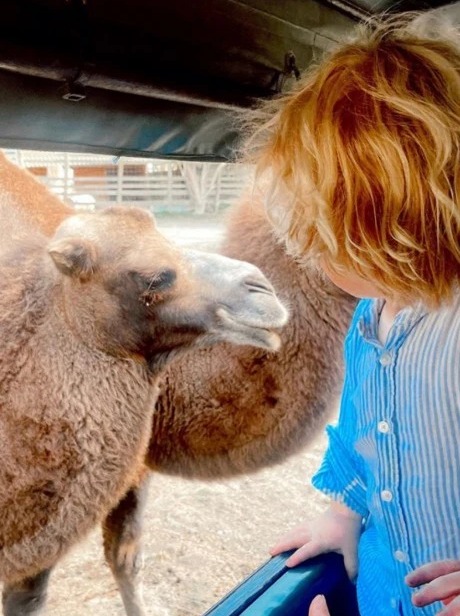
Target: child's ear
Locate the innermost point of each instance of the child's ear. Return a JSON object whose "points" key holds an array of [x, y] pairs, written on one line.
{"points": [[74, 256]]}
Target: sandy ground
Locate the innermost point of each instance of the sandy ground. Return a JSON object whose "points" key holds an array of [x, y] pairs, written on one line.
{"points": [[200, 538]]}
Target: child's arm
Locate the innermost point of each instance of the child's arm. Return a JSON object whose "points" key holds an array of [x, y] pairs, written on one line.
{"points": [[441, 582], [336, 530]]}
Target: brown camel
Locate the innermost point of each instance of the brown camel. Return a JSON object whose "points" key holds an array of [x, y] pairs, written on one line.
{"points": [[228, 410], [87, 321]]}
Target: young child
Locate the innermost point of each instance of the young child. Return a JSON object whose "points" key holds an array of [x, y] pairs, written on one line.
{"points": [[363, 163]]}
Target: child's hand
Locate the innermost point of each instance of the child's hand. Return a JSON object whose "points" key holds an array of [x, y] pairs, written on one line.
{"points": [[441, 580], [337, 530], [318, 607]]}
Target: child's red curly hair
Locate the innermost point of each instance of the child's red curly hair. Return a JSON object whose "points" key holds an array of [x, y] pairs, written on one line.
{"points": [[364, 160]]}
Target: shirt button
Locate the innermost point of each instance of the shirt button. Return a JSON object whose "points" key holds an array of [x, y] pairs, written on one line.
{"points": [[393, 603], [385, 358], [400, 556], [386, 495], [383, 427]]}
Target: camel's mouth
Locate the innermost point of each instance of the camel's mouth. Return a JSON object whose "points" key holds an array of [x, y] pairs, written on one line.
{"points": [[237, 331]]}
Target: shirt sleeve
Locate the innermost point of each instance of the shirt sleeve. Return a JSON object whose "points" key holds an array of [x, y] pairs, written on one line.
{"points": [[341, 474]]}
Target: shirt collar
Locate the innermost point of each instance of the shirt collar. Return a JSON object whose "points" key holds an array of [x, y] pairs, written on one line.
{"points": [[404, 321]]}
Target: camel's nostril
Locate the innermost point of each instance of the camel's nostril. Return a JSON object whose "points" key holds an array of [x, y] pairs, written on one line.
{"points": [[256, 285]]}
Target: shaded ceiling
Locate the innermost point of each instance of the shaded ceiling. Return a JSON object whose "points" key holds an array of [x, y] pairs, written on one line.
{"points": [[153, 78]]}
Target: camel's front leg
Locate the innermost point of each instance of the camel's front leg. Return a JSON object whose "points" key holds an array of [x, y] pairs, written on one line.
{"points": [[122, 546], [27, 597]]}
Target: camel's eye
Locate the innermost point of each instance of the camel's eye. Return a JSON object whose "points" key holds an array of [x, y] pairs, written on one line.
{"points": [[161, 280], [153, 287]]}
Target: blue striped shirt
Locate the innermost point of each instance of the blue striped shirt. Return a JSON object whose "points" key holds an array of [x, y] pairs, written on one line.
{"points": [[394, 456]]}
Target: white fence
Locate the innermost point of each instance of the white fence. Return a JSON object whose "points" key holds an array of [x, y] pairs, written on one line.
{"points": [[158, 191], [157, 185]]}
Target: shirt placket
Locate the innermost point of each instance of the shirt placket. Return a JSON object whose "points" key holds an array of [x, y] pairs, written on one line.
{"points": [[389, 466], [388, 480]]}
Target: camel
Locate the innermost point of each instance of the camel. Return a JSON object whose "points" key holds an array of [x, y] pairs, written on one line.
{"points": [[224, 411], [230, 410], [88, 320]]}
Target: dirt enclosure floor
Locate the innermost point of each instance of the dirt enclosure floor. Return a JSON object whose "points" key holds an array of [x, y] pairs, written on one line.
{"points": [[200, 538]]}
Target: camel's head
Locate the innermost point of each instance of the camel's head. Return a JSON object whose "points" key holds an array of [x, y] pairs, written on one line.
{"points": [[128, 291]]}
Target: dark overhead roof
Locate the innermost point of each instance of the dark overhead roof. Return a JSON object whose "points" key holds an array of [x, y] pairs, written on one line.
{"points": [[155, 77]]}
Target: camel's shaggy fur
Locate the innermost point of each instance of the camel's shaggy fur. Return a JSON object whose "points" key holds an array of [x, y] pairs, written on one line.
{"points": [[227, 410], [39, 206], [74, 420], [86, 322]]}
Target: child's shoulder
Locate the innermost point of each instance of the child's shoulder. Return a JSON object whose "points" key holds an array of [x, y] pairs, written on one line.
{"points": [[447, 316]]}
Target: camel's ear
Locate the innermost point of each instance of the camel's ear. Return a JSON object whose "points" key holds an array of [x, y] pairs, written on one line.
{"points": [[74, 256]]}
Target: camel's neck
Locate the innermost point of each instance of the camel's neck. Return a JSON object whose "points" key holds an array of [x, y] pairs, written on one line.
{"points": [[84, 372], [74, 428], [93, 410]]}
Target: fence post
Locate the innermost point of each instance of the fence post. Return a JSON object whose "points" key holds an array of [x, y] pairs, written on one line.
{"points": [[66, 175], [120, 173]]}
